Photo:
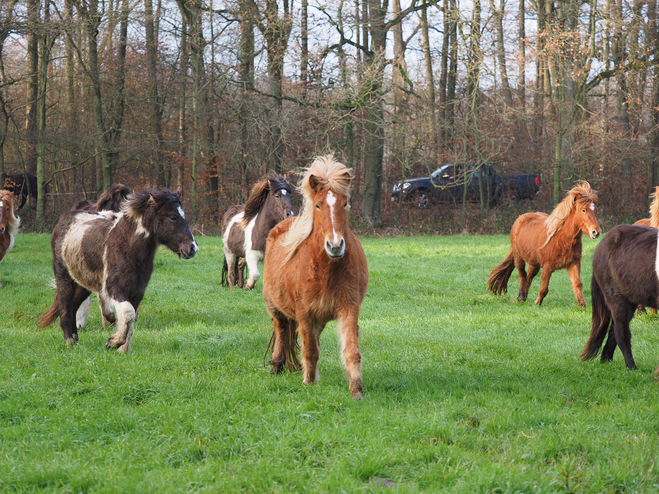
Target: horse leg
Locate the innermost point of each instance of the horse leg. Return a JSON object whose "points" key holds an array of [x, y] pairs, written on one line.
{"points": [[241, 272], [310, 333], [544, 285], [623, 337], [83, 312], [521, 273], [252, 260], [80, 295], [351, 354], [284, 345], [64, 294], [530, 275], [574, 273], [125, 326], [231, 265], [610, 346], [107, 311]]}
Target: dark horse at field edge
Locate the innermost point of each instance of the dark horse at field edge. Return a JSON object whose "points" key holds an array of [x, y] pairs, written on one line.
{"points": [[9, 222], [112, 254], [625, 276], [549, 243]]}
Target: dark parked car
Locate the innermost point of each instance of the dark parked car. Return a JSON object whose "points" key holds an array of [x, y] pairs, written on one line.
{"points": [[446, 185]]}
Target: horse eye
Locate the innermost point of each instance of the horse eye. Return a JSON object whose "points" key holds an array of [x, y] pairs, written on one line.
{"points": [[317, 207], [173, 218], [583, 210]]}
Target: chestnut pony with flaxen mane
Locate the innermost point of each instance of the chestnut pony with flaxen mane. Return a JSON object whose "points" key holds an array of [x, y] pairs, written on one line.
{"points": [[9, 222], [315, 271], [549, 242]]}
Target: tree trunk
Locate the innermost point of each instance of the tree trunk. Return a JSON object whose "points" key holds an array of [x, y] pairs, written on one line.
{"points": [[32, 90], [430, 84], [501, 50], [155, 106]]}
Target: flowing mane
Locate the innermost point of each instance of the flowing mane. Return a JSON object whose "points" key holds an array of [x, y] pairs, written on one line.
{"points": [[654, 208], [580, 193], [324, 173], [271, 183]]}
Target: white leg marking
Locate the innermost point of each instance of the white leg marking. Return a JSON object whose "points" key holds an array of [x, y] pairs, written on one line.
{"points": [[83, 312], [252, 257], [125, 326]]}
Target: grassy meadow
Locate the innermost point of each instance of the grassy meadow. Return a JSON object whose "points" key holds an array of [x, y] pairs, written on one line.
{"points": [[464, 391]]}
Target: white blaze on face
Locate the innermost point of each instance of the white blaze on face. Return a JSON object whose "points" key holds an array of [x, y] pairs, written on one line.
{"points": [[283, 192], [1, 204], [592, 206], [181, 212], [331, 201]]}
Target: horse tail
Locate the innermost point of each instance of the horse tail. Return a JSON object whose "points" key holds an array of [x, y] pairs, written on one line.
{"points": [[498, 280], [225, 273], [49, 316], [601, 321]]}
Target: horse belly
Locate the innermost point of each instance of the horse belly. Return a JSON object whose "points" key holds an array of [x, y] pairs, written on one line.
{"points": [[82, 251]]}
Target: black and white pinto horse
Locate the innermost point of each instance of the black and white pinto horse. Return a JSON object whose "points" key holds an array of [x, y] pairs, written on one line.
{"points": [[245, 229], [110, 200], [625, 276], [112, 254]]}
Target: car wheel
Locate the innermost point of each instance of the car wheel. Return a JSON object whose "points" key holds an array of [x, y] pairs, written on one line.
{"points": [[421, 198]]}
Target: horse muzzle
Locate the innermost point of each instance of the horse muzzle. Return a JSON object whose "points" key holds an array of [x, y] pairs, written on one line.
{"points": [[190, 251], [290, 214], [335, 249], [594, 234]]}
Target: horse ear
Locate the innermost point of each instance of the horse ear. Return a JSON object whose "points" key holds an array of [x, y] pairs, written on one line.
{"points": [[314, 182], [152, 200], [179, 193]]}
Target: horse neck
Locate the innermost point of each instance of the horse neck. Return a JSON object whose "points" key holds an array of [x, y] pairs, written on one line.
{"points": [[571, 229], [142, 247]]}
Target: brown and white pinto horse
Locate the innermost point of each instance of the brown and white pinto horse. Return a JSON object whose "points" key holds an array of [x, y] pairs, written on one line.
{"points": [[549, 242], [9, 222], [625, 276], [315, 271], [245, 229], [112, 254]]}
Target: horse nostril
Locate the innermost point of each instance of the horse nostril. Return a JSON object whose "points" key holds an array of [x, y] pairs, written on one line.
{"points": [[342, 244], [2, 230]]}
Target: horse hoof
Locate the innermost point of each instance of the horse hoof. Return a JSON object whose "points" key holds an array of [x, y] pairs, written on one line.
{"points": [[112, 343], [69, 342]]}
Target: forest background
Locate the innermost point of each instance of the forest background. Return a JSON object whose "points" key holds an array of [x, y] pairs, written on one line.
{"points": [[208, 95]]}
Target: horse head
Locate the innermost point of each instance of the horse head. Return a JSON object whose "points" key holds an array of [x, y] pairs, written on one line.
{"points": [[159, 213], [331, 189], [6, 210], [585, 206], [278, 202]]}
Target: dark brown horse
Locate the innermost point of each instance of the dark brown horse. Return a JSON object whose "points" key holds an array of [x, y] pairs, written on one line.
{"points": [[9, 222], [112, 254], [625, 276], [315, 271], [549, 242], [246, 228], [22, 185], [110, 200]]}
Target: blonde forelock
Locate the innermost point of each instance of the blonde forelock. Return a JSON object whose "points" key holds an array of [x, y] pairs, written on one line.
{"points": [[581, 193]]}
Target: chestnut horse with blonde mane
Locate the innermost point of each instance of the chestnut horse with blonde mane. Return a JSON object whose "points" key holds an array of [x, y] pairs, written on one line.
{"points": [[9, 222], [315, 271], [549, 242]]}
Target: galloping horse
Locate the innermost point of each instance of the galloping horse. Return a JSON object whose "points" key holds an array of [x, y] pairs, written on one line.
{"points": [[549, 242], [625, 276], [653, 220], [112, 254], [315, 271], [9, 223], [245, 229]]}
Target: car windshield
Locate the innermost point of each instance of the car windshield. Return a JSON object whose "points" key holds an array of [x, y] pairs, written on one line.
{"points": [[439, 171]]}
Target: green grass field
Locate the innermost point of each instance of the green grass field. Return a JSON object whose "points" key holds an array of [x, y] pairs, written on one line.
{"points": [[464, 391]]}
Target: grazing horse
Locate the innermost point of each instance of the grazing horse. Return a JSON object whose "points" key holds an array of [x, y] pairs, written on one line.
{"points": [[9, 223], [246, 228], [110, 200], [625, 275], [315, 271], [112, 254], [16, 183], [549, 242]]}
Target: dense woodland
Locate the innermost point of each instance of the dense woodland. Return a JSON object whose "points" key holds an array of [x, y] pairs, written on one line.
{"points": [[208, 95]]}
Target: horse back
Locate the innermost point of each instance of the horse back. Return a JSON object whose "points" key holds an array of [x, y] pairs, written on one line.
{"points": [[527, 235], [79, 241]]}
